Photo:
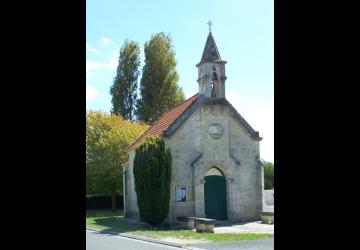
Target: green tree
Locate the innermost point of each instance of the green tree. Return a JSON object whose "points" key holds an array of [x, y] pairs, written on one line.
{"points": [[152, 173], [107, 137], [159, 82], [268, 175], [124, 88]]}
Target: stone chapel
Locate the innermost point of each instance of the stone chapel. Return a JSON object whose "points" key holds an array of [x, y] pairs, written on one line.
{"points": [[216, 171]]}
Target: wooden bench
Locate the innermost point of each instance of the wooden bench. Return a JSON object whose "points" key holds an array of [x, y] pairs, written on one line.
{"points": [[267, 217], [202, 224]]}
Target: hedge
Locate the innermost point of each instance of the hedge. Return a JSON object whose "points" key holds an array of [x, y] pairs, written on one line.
{"points": [[103, 202]]}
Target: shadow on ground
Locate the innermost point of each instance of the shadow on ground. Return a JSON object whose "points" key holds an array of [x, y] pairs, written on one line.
{"points": [[123, 225], [120, 224]]}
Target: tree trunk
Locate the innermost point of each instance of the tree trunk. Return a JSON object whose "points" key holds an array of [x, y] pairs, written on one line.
{"points": [[113, 198]]}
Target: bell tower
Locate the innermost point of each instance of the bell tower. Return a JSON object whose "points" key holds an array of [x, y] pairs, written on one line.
{"points": [[211, 70]]}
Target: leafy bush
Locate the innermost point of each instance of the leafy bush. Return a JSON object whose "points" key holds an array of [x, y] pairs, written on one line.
{"points": [[107, 138], [268, 175], [152, 173]]}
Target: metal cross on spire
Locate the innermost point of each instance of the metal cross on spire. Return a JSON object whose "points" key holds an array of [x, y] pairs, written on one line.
{"points": [[209, 23]]}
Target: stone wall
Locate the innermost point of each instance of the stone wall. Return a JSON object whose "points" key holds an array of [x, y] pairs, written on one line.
{"points": [[194, 150], [131, 208]]}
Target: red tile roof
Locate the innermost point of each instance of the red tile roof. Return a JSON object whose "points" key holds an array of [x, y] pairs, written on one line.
{"points": [[164, 121]]}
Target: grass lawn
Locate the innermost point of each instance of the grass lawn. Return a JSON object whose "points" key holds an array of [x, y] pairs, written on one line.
{"points": [[187, 234], [107, 220]]}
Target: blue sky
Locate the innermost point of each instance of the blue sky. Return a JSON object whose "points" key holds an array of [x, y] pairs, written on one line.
{"points": [[243, 31]]}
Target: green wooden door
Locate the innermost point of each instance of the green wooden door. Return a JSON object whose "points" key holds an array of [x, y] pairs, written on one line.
{"points": [[215, 197]]}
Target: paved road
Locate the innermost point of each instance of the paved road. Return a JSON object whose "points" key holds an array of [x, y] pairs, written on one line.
{"points": [[261, 244], [100, 241]]}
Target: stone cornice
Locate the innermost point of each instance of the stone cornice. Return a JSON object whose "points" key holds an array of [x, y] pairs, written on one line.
{"points": [[196, 159], [233, 157], [208, 101], [184, 116]]}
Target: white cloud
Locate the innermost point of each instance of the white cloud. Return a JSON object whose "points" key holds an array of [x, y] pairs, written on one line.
{"points": [[91, 49], [92, 66], [94, 50], [105, 40], [91, 93]]}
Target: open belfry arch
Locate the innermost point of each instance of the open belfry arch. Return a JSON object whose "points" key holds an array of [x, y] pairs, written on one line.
{"points": [[215, 152]]}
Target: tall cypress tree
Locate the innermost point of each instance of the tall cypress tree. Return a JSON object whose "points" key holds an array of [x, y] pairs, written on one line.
{"points": [[159, 82], [124, 88], [152, 174]]}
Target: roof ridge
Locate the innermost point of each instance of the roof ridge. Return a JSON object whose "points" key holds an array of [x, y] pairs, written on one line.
{"points": [[158, 119], [169, 111], [175, 107], [183, 111]]}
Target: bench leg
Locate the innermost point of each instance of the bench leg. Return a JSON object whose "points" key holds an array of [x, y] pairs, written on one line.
{"points": [[190, 224], [267, 219], [209, 228], [200, 228]]}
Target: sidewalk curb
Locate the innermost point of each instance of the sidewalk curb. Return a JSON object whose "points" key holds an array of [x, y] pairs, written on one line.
{"points": [[137, 237]]}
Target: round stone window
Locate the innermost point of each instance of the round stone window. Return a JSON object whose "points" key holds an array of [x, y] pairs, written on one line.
{"points": [[215, 131]]}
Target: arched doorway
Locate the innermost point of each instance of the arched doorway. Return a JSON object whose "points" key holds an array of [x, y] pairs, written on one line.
{"points": [[215, 195]]}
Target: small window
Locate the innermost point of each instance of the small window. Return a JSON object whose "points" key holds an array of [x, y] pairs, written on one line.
{"points": [[180, 194], [213, 94], [215, 76]]}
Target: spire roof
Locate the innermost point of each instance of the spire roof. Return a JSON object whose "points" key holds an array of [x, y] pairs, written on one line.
{"points": [[211, 52]]}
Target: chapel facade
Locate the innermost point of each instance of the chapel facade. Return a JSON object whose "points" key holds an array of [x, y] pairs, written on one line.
{"points": [[216, 168]]}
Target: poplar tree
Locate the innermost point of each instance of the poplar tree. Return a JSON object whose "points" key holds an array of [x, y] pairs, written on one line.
{"points": [[159, 82], [124, 88]]}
